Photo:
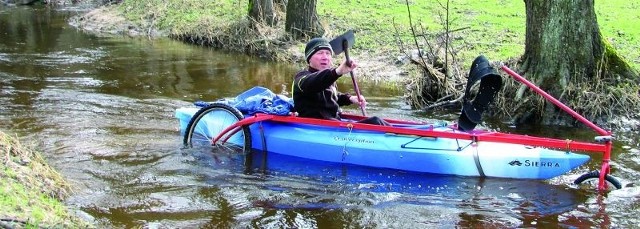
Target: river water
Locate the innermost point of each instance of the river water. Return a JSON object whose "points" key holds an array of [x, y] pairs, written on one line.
{"points": [[101, 110]]}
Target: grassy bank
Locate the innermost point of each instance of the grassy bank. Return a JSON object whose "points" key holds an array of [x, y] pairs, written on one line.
{"points": [[30, 190], [493, 28]]}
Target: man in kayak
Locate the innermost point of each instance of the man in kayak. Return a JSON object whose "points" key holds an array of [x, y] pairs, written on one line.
{"points": [[314, 89]]}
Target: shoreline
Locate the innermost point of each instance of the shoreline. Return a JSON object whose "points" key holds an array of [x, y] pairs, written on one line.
{"points": [[32, 191], [380, 68]]}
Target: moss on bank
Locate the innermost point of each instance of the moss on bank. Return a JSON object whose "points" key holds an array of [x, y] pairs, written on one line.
{"points": [[31, 191]]}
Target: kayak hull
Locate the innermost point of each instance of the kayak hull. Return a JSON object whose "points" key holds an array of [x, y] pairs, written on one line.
{"points": [[414, 153]]}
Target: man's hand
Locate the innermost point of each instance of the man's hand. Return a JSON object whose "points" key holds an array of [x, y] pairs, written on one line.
{"points": [[345, 68], [354, 100]]}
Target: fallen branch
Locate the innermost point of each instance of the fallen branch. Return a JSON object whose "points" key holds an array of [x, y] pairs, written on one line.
{"points": [[443, 103]]}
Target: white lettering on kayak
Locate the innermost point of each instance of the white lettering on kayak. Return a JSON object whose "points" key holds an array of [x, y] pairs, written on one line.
{"points": [[351, 139]]}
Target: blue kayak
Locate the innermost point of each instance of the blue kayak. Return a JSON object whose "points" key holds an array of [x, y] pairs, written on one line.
{"points": [[259, 120], [438, 148]]}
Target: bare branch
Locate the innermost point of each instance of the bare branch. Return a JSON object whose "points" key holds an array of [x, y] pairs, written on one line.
{"points": [[402, 49], [414, 33], [443, 103]]}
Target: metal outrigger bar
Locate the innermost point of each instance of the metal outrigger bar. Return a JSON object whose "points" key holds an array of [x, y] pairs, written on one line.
{"points": [[605, 137]]}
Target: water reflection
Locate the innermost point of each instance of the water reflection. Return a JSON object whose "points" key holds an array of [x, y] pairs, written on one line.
{"points": [[290, 186]]}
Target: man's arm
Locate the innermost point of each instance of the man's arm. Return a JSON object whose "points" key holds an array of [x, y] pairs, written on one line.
{"points": [[306, 81]]}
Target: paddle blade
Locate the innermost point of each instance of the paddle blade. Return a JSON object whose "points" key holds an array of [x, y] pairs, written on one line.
{"points": [[337, 43], [483, 84]]}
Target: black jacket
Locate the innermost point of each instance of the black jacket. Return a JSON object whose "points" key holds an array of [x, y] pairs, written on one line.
{"points": [[315, 94]]}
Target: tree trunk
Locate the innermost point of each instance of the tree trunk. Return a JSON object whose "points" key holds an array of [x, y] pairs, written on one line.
{"points": [[262, 11], [562, 40], [302, 19], [564, 45]]}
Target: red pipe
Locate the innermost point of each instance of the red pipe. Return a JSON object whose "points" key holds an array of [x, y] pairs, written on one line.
{"points": [[556, 102], [606, 157], [477, 136]]}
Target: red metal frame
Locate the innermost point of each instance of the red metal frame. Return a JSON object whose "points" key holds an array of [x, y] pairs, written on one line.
{"points": [[454, 133], [477, 136], [606, 157]]}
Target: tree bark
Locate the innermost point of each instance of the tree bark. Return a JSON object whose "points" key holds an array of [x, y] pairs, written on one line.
{"points": [[302, 19], [564, 45], [262, 11], [562, 41], [281, 5]]}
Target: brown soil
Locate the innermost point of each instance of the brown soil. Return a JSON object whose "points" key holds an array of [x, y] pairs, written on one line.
{"points": [[107, 21]]}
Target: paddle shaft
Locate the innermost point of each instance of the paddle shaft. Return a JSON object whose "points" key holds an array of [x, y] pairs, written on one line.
{"points": [[353, 77]]}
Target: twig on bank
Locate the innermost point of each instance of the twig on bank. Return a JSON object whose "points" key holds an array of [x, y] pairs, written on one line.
{"points": [[443, 103]]}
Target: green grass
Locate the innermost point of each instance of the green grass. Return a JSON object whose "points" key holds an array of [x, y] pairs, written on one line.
{"points": [[619, 22], [495, 28], [20, 202], [30, 190], [178, 16], [486, 28]]}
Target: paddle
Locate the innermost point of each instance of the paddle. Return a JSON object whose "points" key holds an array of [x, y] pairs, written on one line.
{"points": [[341, 44]]}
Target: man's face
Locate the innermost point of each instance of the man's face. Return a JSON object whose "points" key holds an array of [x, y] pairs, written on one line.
{"points": [[321, 60]]}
